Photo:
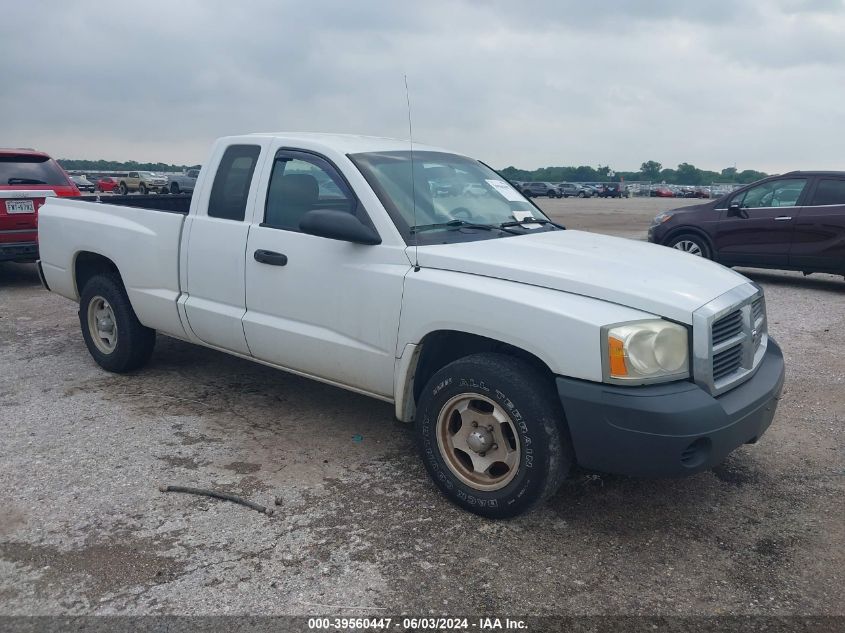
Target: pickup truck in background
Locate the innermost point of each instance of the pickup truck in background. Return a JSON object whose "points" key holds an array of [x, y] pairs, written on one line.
{"points": [[141, 181], [182, 183], [516, 348]]}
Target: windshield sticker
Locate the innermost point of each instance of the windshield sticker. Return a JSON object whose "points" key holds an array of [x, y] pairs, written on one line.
{"points": [[505, 190], [521, 216]]}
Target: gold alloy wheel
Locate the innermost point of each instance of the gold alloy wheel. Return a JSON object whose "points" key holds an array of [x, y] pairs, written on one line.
{"points": [[478, 441], [102, 324]]}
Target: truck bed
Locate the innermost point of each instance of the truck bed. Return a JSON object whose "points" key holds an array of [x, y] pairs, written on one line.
{"points": [[140, 235], [179, 203]]}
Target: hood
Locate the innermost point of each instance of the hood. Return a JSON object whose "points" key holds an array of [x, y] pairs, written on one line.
{"points": [[692, 208], [663, 281]]}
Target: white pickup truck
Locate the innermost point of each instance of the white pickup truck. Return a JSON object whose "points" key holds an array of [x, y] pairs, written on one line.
{"points": [[517, 348]]}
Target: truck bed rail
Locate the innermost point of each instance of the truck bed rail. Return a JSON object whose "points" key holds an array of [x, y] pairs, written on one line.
{"points": [[170, 203]]}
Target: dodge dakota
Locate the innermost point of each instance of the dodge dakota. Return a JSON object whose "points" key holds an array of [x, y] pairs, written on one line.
{"points": [[515, 347]]}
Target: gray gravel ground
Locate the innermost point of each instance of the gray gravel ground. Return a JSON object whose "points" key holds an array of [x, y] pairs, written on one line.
{"points": [[84, 528]]}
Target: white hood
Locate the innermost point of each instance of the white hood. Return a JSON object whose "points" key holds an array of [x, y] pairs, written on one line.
{"points": [[663, 281]]}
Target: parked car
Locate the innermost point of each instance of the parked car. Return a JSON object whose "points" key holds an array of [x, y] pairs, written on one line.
{"points": [[107, 184], [83, 184], [27, 179], [537, 189], [181, 183], [141, 181], [795, 221], [570, 190], [661, 191], [611, 190], [516, 347]]}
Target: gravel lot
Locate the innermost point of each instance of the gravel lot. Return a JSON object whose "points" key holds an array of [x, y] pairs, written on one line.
{"points": [[84, 528]]}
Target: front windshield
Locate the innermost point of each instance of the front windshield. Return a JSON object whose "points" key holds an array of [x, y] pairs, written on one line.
{"points": [[448, 192]]}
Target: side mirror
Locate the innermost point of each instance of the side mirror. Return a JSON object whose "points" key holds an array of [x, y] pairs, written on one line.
{"points": [[337, 225], [736, 211]]}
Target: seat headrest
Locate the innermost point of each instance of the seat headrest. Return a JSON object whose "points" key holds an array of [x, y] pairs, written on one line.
{"points": [[302, 188]]}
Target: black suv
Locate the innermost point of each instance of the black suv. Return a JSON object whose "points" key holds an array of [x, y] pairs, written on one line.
{"points": [[794, 221], [608, 189], [535, 189]]}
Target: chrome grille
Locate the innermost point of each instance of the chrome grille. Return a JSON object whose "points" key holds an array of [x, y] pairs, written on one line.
{"points": [[729, 338], [758, 308], [727, 362], [727, 327]]}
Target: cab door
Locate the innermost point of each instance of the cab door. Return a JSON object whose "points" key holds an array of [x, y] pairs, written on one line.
{"points": [[757, 225], [215, 247], [322, 307]]}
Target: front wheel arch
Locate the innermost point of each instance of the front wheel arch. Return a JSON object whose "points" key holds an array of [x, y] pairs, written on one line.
{"points": [[441, 347]]}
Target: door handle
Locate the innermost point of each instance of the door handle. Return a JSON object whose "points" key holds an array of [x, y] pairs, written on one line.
{"points": [[783, 218], [270, 257]]}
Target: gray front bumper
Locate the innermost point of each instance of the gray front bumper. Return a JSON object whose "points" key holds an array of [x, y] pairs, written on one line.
{"points": [[668, 430]]}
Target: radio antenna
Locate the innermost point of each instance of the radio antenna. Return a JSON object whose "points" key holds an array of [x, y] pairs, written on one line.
{"points": [[413, 179]]}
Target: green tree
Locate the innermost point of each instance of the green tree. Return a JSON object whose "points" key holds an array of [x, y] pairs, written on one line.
{"points": [[668, 176], [749, 175], [688, 175], [651, 170]]}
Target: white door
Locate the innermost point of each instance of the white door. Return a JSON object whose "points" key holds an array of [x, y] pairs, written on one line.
{"points": [[323, 307], [216, 249]]}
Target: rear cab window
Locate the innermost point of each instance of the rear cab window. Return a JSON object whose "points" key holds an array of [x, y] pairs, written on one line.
{"points": [[230, 189]]}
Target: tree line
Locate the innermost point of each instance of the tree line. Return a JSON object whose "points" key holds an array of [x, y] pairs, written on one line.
{"points": [[114, 165], [650, 170]]}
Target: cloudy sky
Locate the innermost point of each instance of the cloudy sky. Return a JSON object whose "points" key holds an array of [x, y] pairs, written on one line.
{"points": [[756, 83]]}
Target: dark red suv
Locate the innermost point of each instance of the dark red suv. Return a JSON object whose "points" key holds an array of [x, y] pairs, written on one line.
{"points": [[795, 221], [27, 178]]}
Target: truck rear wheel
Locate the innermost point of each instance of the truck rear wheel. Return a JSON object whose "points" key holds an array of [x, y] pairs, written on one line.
{"points": [[111, 330], [122, 189], [492, 436]]}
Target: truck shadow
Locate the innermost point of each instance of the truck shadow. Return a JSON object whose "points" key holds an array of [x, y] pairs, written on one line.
{"points": [[239, 400], [18, 275], [620, 505], [819, 281]]}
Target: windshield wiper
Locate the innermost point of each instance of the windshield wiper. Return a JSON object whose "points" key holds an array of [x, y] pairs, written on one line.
{"points": [[531, 221], [462, 224], [25, 181]]}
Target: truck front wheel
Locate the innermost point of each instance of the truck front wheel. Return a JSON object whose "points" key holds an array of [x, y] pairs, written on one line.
{"points": [[492, 436], [114, 336]]}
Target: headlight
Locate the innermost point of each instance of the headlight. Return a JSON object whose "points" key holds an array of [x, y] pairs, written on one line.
{"points": [[645, 351], [663, 217]]}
